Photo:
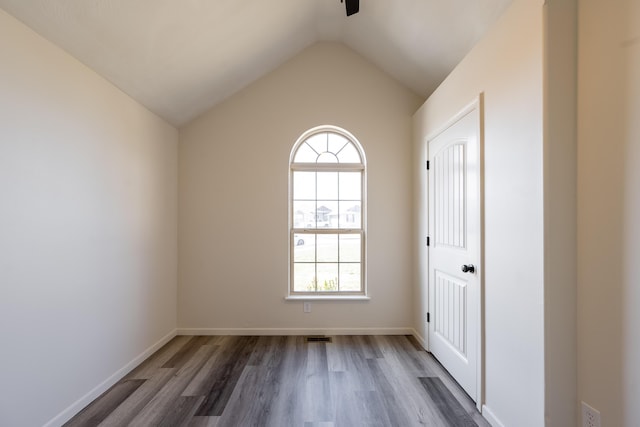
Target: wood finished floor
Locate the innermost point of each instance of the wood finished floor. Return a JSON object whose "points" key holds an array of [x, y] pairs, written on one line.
{"points": [[285, 381]]}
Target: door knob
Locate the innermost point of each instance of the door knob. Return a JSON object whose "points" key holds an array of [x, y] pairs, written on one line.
{"points": [[468, 268]]}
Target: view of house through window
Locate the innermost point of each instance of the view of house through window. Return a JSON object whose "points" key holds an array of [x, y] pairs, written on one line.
{"points": [[327, 213]]}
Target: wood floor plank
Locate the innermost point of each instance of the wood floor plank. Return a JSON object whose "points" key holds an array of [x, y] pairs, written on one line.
{"points": [[181, 412], [252, 403], [317, 391], [125, 412], [449, 407], [369, 346], [105, 404], [344, 402], [267, 348], [198, 384], [225, 375], [335, 355], [186, 352], [204, 421], [149, 367], [287, 409], [371, 409], [241, 407], [458, 392], [396, 416], [409, 356], [167, 398], [357, 368], [409, 392]]}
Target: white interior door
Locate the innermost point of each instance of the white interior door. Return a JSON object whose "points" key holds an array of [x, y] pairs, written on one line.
{"points": [[454, 249]]}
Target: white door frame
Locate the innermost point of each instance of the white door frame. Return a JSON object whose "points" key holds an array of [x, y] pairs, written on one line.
{"points": [[477, 103]]}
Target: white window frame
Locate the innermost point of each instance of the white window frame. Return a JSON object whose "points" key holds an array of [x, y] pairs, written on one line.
{"points": [[337, 167]]}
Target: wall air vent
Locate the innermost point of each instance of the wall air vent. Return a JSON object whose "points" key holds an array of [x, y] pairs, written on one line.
{"points": [[318, 339]]}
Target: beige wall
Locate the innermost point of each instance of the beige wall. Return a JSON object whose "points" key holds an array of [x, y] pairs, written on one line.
{"points": [[507, 67], [87, 230], [233, 245], [560, 63], [609, 209]]}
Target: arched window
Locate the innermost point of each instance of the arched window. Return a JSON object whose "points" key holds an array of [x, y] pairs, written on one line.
{"points": [[327, 214]]}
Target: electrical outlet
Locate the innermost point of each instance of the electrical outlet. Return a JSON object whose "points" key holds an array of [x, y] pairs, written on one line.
{"points": [[306, 307], [590, 416]]}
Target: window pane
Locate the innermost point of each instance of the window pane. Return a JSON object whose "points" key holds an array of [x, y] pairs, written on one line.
{"points": [[327, 214], [327, 277], [327, 158], [327, 185], [304, 247], [318, 142], [350, 215], [337, 142], [304, 214], [350, 185], [327, 248], [304, 185], [350, 248], [349, 154], [305, 154], [304, 277], [350, 277]]}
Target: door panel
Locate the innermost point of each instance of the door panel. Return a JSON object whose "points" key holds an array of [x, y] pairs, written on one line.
{"points": [[450, 320], [450, 190], [454, 223]]}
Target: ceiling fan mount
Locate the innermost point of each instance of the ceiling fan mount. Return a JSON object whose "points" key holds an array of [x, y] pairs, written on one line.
{"points": [[352, 6]]}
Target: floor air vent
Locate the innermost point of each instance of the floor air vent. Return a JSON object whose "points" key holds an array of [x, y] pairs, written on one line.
{"points": [[318, 339]]}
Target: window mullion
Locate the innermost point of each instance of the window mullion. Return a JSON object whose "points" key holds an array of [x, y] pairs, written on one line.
{"points": [[315, 239], [339, 245], [327, 167]]}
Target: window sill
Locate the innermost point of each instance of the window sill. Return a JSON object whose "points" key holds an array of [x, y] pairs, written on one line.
{"points": [[327, 298]]}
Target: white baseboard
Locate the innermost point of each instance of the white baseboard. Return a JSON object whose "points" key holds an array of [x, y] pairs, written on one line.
{"points": [[420, 339], [78, 405], [490, 417], [295, 331]]}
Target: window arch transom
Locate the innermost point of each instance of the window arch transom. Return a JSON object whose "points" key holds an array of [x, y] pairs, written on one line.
{"points": [[327, 147]]}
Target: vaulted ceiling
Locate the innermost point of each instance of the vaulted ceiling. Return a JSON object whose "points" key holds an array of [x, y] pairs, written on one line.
{"points": [[179, 58]]}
